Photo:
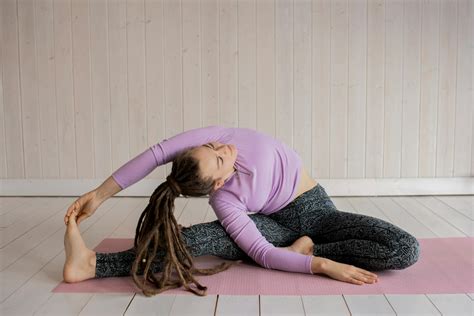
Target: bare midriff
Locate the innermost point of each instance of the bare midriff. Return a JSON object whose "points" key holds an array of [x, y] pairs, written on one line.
{"points": [[306, 183]]}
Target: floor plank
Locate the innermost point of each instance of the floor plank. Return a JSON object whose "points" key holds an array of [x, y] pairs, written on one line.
{"points": [[12, 204], [210, 215], [236, 305], [325, 305], [127, 228], [434, 223], [281, 305], [369, 305], [194, 212], [365, 206], [453, 304], [64, 304], [155, 305], [107, 304], [31, 215], [448, 214], [401, 218], [419, 304], [10, 218], [462, 203], [32, 237], [193, 305], [343, 204]]}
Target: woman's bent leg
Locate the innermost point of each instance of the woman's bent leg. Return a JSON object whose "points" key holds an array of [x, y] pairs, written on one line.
{"points": [[364, 241], [200, 239]]}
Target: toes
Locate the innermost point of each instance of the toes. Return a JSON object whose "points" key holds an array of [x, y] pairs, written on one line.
{"points": [[72, 217], [305, 240]]}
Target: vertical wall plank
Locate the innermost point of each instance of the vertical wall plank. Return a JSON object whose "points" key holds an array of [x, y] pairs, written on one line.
{"points": [[472, 92], [136, 76], [118, 82], [375, 89], [228, 64], [29, 89], [464, 98], [100, 88], [265, 66], [284, 119], [173, 70], [429, 88], [411, 88], [392, 142], [64, 89], [82, 88], [338, 100], [191, 64], [247, 84], [3, 153], [44, 34], [447, 88], [154, 77], [302, 80], [357, 89], [209, 62], [321, 87]]}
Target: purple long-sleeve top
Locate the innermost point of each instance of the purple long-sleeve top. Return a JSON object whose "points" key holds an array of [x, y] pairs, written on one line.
{"points": [[265, 181]]}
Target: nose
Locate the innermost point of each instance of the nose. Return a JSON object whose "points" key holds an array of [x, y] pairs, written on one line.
{"points": [[224, 149]]}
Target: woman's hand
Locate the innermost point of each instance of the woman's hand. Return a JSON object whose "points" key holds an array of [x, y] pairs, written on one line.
{"points": [[348, 273], [84, 207]]}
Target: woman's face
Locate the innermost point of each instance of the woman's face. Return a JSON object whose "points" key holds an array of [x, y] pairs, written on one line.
{"points": [[216, 160]]}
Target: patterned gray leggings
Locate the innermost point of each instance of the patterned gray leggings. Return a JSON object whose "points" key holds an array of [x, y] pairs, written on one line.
{"points": [[363, 241]]}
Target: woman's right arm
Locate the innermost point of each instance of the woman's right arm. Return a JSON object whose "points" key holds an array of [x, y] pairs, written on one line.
{"points": [[141, 165], [107, 189], [165, 151], [87, 204]]}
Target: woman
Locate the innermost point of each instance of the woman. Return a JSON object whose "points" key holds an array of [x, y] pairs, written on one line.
{"points": [[242, 171]]}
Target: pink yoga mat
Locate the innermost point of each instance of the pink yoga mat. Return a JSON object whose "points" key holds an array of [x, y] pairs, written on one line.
{"points": [[445, 266]]}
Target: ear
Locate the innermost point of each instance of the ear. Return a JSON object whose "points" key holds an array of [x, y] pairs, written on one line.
{"points": [[218, 184]]}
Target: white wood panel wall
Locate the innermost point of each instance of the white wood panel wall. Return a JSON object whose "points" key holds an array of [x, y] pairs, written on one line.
{"points": [[360, 88]]}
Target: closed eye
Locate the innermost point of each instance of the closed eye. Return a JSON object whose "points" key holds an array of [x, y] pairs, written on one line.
{"points": [[222, 160]]}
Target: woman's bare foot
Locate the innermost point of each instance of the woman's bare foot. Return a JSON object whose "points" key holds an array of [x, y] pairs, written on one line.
{"points": [[303, 245], [80, 261]]}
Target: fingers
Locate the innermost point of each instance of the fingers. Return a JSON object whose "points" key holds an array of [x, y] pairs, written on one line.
{"points": [[73, 208], [370, 274], [362, 276], [68, 218], [81, 218]]}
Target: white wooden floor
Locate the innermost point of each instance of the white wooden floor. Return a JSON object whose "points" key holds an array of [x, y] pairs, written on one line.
{"points": [[32, 256]]}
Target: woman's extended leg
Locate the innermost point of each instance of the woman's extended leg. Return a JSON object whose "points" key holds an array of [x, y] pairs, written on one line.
{"points": [[201, 239], [364, 241]]}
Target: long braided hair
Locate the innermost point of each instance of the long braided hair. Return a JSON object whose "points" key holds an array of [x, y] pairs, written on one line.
{"points": [[157, 230]]}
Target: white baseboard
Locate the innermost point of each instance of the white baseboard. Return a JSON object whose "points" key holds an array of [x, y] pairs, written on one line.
{"points": [[334, 187]]}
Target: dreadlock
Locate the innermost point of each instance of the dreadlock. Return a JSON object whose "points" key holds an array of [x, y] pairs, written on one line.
{"points": [[157, 229]]}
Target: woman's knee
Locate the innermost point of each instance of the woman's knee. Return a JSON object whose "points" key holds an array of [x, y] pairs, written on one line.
{"points": [[408, 252]]}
